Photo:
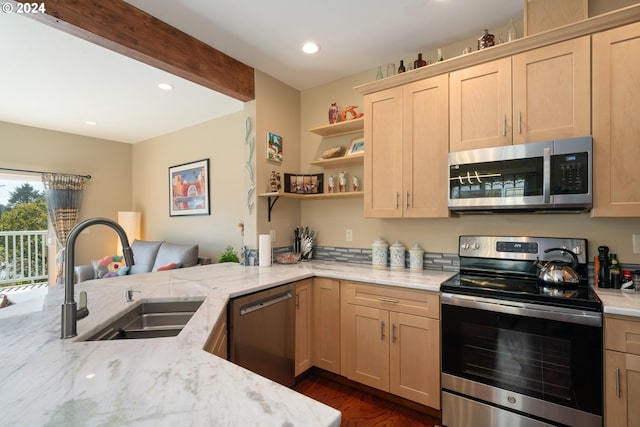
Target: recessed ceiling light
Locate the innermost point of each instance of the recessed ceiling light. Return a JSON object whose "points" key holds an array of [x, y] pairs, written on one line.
{"points": [[165, 86], [90, 123], [310, 47]]}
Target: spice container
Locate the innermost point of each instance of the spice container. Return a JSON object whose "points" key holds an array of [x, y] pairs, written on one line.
{"points": [[397, 252], [379, 253]]}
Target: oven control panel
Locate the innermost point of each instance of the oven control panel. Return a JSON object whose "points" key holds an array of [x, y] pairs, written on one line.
{"points": [[520, 247]]}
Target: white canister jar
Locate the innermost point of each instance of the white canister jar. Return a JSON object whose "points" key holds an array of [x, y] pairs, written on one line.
{"points": [[379, 253], [416, 255], [397, 252]]}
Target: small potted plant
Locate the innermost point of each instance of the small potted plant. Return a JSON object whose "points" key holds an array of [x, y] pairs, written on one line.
{"points": [[229, 255]]}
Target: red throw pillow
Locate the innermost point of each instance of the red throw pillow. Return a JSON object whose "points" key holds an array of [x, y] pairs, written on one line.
{"points": [[170, 266]]}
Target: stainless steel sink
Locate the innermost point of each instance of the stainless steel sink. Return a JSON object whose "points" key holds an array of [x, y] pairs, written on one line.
{"points": [[149, 320]]}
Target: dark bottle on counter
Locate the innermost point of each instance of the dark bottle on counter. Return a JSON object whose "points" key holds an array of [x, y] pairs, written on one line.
{"points": [[615, 272], [419, 62], [603, 272], [401, 68]]}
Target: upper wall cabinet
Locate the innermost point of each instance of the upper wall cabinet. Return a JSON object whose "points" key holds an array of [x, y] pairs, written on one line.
{"points": [[407, 144], [538, 95], [616, 128]]}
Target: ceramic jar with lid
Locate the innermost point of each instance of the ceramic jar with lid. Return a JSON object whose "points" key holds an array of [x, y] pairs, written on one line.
{"points": [[416, 258], [379, 253], [396, 255]]}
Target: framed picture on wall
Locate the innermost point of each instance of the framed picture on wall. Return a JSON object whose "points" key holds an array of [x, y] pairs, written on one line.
{"points": [[356, 147], [274, 147], [189, 189]]}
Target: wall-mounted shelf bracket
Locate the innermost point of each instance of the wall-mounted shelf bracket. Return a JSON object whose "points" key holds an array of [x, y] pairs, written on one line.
{"points": [[272, 198]]}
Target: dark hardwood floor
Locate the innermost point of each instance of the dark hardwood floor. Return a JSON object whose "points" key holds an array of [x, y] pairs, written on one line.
{"points": [[359, 406]]}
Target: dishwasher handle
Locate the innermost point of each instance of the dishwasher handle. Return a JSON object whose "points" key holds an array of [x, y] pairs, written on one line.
{"points": [[265, 302]]}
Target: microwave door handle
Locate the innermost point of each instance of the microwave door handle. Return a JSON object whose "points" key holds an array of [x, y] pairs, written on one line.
{"points": [[546, 175]]}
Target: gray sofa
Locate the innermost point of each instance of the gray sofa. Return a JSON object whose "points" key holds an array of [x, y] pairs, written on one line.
{"points": [[150, 256]]}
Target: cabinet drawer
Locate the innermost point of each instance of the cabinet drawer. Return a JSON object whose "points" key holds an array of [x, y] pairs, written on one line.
{"points": [[401, 300], [622, 335]]}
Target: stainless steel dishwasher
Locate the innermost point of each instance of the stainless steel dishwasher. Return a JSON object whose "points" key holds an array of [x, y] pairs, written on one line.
{"points": [[261, 331]]}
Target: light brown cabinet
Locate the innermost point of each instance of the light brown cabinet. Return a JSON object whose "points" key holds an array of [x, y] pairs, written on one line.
{"points": [[616, 108], [217, 342], [391, 340], [326, 324], [303, 328], [406, 156], [538, 95], [622, 371]]}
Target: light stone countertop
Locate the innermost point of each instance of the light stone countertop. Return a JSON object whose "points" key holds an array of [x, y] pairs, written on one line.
{"points": [[48, 381], [622, 302]]}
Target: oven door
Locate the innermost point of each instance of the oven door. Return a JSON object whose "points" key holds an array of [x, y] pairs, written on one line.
{"points": [[540, 362]]}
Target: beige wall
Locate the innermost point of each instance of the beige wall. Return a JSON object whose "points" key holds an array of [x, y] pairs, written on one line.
{"points": [[277, 111], [108, 163], [222, 142], [332, 217]]}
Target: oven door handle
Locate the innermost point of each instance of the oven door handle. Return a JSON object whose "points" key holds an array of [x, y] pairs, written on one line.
{"points": [[560, 314]]}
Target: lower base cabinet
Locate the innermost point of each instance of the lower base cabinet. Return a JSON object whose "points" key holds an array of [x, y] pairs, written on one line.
{"points": [[622, 372], [391, 340]]}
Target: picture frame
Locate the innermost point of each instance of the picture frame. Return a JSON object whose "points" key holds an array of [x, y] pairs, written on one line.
{"points": [[189, 189], [274, 147], [304, 184], [356, 147]]}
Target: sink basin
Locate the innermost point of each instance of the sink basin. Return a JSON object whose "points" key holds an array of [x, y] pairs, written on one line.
{"points": [[149, 320]]}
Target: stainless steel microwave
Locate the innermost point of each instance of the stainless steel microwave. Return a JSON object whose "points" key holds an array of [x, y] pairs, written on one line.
{"points": [[549, 176]]}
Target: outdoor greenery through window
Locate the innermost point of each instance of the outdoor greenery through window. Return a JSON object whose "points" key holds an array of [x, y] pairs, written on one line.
{"points": [[23, 231]]}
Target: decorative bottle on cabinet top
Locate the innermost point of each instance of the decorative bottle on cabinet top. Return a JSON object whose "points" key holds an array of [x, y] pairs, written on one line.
{"points": [[333, 113], [419, 62], [486, 40]]}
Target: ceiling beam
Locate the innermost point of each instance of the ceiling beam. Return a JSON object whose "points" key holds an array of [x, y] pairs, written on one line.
{"points": [[123, 28]]}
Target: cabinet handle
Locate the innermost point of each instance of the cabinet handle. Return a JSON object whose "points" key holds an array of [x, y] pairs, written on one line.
{"points": [[382, 329], [297, 300], [407, 200], [617, 382], [397, 200], [395, 301], [393, 332], [519, 122], [504, 125]]}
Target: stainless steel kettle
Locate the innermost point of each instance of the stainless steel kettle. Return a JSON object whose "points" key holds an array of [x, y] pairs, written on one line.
{"points": [[559, 272]]}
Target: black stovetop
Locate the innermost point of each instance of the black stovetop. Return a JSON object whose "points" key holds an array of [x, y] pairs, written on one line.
{"points": [[530, 290]]}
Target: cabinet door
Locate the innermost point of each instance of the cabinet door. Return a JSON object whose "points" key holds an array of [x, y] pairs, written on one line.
{"points": [[303, 326], [425, 148], [414, 358], [552, 91], [326, 324], [365, 341], [616, 108], [480, 106], [622, 389], [383, 154]]}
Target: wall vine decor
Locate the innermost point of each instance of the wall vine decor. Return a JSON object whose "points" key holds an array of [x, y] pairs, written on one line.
{"points": [[250, 142]]}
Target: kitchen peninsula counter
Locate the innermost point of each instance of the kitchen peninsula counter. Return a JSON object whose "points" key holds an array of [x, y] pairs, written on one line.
{"points": [[161, 381]]}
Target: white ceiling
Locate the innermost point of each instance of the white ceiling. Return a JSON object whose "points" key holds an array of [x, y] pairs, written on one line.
{"points": [[53, 80]]}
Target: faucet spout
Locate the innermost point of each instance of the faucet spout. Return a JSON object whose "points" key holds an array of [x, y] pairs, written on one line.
{"points": [[69, 307]]}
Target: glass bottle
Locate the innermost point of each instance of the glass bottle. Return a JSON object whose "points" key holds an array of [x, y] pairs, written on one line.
{"points": [[603, 271], [379, 75], [401, 68], [486, 40], [615, 272], [419, 62], [511, 31]]}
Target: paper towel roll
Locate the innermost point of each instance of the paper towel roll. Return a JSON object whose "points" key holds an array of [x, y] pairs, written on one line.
{"points": [[265, 250]]}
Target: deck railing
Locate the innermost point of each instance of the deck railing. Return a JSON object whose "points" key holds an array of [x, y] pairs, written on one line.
{"points": [[23, 257]]}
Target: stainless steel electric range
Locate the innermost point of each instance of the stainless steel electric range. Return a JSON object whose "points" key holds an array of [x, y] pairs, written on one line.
{"points": [[516, 350]]}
